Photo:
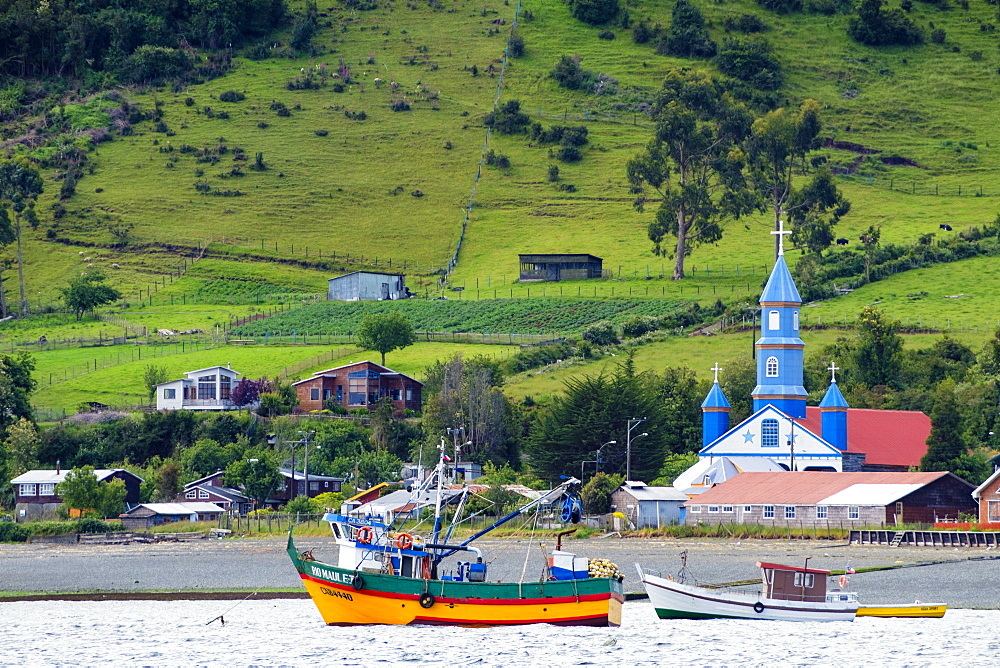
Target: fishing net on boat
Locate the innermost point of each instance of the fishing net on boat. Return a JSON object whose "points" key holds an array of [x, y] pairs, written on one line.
{"points": [[604, 568]]}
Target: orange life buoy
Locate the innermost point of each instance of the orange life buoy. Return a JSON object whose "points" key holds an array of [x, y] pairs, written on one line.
{"points": [[843, 580], [404, 541], [365, 535]]}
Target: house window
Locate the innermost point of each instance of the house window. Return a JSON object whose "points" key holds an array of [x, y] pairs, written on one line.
{"points": [[795, 320], [789, 512], [993, 511], [409, 394], [224, 385], [769, 433], [773, 320], [313, 486], [27, 489], [821, 513], [206, 387], [852, 512], [771, 367], [47, 489], [395, 394], [357, 388], [314, 394], [727, 509], [747, 509], [202, 494], [169, 393], [768, 512], [327, 393], [806, 580], [713, 509], [340, 394], [192, 494], [695, 509]]}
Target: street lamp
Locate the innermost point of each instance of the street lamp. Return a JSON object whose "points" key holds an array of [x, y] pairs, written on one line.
{"points": [[632, 424], [456, 434], [596, 462]]}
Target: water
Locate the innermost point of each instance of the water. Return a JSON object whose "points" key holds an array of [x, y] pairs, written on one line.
{"points": [[290, 632]]}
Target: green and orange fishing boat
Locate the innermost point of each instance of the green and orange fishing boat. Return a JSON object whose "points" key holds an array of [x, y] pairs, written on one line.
{"points": [[385, 576]]}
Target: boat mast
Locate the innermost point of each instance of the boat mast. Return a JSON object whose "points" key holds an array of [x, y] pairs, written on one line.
{"points": [[437, 503]]}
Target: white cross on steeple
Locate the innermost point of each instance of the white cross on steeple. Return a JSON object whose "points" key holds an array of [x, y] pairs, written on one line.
{"points": [[716, 369], [833, 369], [781, 232]]}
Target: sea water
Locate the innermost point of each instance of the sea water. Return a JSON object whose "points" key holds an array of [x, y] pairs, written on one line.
{"points": [[290, 632]]}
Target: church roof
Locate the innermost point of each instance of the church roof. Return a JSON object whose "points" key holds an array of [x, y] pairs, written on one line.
{"points": [[780, 286], [716, 398], [833, 398], [887, 438], [814, 487]]}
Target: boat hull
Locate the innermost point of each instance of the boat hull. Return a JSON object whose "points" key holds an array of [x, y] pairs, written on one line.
{"points": [[673, 600], [378, 598], [935, 610]]}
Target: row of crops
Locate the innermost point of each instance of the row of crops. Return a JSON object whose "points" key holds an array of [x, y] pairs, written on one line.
{"points": [[525, 316]]}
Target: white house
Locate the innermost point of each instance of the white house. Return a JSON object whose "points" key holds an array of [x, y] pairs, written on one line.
{"points": [[206, 389]]}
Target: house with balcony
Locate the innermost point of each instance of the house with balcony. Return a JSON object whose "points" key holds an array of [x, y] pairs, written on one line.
{"points": [[212, 489], [358, 385], [208, 389]]}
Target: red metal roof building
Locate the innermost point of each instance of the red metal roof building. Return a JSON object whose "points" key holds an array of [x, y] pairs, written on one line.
{"points": [[821, 498], [890, 440]]}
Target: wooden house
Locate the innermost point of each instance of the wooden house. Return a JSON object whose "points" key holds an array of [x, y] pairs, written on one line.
{"points": [[823, 498], [987, 496], [358, 385], [148, 515], [367, 286], [212, 489], [293, 485], [35, 491], [559, 266]]}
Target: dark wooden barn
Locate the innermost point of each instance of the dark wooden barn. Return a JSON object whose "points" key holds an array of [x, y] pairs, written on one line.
{"points": [[559, 267]]}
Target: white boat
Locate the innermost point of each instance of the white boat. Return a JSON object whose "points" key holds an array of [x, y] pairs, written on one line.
{"points": [[788, 593]]}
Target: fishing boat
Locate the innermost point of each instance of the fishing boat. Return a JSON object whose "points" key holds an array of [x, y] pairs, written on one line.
{"points": [[918, 609], [788, 593], [384, 575]]}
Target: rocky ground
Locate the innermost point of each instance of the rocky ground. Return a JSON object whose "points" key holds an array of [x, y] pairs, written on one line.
{"points": [[962, 578]]}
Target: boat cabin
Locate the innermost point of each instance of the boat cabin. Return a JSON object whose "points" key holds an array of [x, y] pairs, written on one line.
{"points": [[793, 583]]}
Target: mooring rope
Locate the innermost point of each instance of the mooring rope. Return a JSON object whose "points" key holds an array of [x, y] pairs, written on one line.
{"points": [[221, 617]]}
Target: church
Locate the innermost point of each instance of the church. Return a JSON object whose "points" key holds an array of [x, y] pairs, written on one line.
{"points": [[783, 434]]}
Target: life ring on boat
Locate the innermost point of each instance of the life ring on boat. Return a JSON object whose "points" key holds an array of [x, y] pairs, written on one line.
{"points": [[365, 535], [358, 583], [426, 599], [404, 541], [842, 580], [758, 607]]}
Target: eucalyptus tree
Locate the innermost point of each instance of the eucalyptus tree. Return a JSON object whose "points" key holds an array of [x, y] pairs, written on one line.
{"points": [[20, 186]]}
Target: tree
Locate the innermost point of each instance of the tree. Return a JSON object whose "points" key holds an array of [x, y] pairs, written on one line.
{"points": [[385, 332], [688, 36], [168, 481], [877, 27], [507, 119], [945, 443], [152, 376], [376, 467], [20, 185], [869, 239], [7, 236], [16, 386], [82, 491], [815, 210], [877, 353], [86, 292], [594, 12], [21, 446], [245, 393], [673, 466], [751, 59], [596, 494], [256, 473], [693, 163], [206, 456]]}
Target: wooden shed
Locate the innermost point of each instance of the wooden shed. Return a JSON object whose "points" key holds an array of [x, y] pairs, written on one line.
{"points": [[560, 267]]}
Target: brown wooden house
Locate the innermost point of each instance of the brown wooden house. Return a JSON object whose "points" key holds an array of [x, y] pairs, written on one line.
{"points": [[295, 485], [358, 385], [35, 491], [212, 489], [987, 496]]}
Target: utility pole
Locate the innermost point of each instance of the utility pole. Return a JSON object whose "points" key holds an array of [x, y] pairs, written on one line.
{"points": [[632, 424], [305, 439]]}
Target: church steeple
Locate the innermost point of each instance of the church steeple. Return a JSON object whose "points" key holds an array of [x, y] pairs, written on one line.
{"points": [[833, 410], [714, 412], [779, 349]]}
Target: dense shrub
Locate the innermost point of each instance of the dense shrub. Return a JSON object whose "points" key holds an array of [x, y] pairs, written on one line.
{"points": [[559, 134], [687, 36], [508, 119], [569, 154], [642, 32], [553, 173], [601, 334], [232, 96], [13, 533], [639, 325], [153, 64], [938, 36], [750, 59], [568, 73], [532, 358], [781, 6], [877, 27], [606, 34], [516, 46], [745, 23], [594, 12]]}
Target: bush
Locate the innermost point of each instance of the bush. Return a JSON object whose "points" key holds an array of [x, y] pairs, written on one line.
{"points": [[321, 133], [639, 325], [568, 73], [752, 60], [594, 12], [13, 533], [601, 334], [938, 36], [781, 6], [606, 34], [189, 101], [746, 23], [508, 119], [569, 154], [516, 46], [153, 64], [875, 27], [688, 36], [231, 96], [553, 173], [643, 33]]}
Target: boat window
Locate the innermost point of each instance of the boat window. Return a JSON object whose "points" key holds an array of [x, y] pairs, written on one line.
{"points": [[336, 530], [804, 580]]}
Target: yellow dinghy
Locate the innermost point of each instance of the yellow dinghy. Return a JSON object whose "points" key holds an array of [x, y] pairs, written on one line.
{"points": [[903, 610]]}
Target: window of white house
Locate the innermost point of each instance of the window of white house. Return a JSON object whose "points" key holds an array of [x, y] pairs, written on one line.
{"points": [[314, 394], [993, 511], [203, 494], [695, 509], [206, 387], [773, 320], [821, 513], [224, 386], [769, 433], [795, 320], [768, 512], [713, 509], [192, 494], [789, 512], [747, 509], [27, 489], [47, 489], [727, 509], [169, 393], [771, 367], [852, 512], [806, 580]]}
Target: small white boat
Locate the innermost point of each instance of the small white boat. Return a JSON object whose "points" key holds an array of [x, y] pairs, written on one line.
{"points": [[789, 593]]}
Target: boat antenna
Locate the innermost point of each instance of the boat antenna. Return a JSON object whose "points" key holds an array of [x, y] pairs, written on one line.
{"points": [[439, 469]]}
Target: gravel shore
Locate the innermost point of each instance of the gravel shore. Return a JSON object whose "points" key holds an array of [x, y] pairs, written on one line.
{"points": [[962, 578]]}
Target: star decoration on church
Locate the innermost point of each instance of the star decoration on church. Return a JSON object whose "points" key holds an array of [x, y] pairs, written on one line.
{"points": [[791, 438], [748, 437]]}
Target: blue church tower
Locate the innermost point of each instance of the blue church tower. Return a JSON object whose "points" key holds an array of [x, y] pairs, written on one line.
{"points": [[714, 412], [779, 348], [833, 410]]}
